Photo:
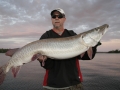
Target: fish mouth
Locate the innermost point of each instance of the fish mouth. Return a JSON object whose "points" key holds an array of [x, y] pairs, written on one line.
{"points": [[105, 28], [102, 29], [107, 25]]}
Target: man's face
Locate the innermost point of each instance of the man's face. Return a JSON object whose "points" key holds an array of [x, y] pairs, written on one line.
{"points": [[57, 19]]}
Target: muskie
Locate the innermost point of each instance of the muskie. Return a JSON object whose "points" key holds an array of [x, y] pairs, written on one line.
{"points": [[57, 48]]}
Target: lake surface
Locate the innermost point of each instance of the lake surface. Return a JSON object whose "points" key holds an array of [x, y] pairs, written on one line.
{"points": [[101, 73]]}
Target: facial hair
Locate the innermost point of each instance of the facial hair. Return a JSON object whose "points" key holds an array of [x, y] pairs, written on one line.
{"points": [[57, 27]]}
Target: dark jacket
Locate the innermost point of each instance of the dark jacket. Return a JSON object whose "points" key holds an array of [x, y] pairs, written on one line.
{"points": [[63, 73]]}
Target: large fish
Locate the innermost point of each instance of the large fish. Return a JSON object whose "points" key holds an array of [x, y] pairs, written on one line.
{"points": [[58, 48]]}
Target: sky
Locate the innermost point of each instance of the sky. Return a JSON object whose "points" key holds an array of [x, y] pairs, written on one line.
{"points": [[24, 21]]}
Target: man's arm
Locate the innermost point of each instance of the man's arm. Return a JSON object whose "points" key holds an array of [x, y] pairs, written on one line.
{"points": [[90, 54]]}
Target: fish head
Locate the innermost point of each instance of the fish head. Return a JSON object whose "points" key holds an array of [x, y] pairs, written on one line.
{"points": [[92, 37]]}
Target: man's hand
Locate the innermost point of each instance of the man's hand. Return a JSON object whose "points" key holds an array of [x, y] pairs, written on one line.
{"points": [[10, 52], [42, 59]]}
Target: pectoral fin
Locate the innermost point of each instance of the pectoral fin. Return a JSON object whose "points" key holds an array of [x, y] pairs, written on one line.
{"points": [[36, 56], [82, 55], [90, 52]]}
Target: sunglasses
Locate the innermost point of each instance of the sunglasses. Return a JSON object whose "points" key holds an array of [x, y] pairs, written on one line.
{"points": [[59, 16]]}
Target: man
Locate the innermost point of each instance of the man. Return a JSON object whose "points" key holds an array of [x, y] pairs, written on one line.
{"points": [[61, 74]]}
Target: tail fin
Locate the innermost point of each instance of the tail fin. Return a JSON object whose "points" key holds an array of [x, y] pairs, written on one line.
{"points": [[2, 73]]}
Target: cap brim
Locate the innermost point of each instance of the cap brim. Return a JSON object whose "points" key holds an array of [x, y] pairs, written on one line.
{"points": [[53, 12]]}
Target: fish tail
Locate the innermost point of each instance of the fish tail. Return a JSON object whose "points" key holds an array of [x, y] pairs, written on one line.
{"points": [[2, 73]]}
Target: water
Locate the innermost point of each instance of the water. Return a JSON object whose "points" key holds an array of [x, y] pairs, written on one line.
{"points": [[101, 73]]}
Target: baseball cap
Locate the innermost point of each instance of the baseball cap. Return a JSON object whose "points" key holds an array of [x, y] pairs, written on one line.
{"points": [[59, 10]]}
